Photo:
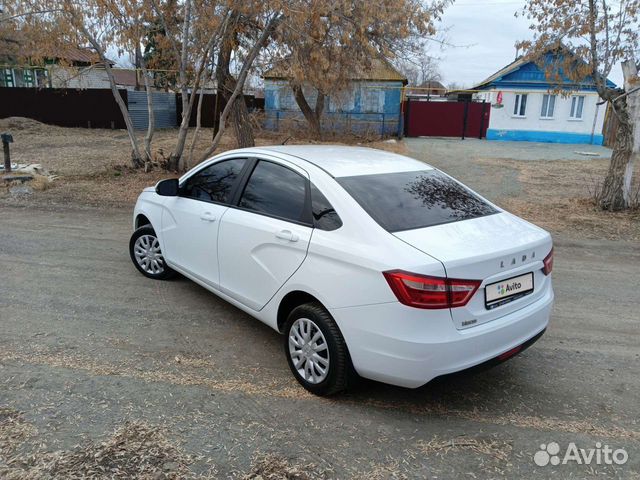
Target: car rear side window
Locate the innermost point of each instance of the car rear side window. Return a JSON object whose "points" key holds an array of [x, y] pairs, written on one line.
{"points": [[324, 215], [276, 191], [215, 182], [410, 200]]}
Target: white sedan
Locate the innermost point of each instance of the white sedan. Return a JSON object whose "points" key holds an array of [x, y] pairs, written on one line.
{"points": [[370, 263]]}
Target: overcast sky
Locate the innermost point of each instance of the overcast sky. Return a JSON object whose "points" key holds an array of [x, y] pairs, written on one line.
{"points": [[489, 31]]}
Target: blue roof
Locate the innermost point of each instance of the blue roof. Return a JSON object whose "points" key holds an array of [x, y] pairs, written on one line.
{"points": [[524, 73]]}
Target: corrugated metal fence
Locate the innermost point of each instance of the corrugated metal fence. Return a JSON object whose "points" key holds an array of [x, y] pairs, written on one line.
{"points": [[164, 109]]}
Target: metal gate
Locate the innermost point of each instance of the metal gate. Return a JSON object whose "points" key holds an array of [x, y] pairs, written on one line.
{"points": [[446, 119], [164, 109]]}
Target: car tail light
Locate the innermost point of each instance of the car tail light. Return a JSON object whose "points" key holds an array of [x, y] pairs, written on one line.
{"points": [[548, 263], [422, 291]]}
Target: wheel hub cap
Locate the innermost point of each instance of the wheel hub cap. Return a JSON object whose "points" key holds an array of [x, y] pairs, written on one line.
{"points": [[308, 350], [148, 254]]}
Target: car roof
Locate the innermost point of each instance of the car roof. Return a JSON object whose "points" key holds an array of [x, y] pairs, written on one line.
{"points": [[344, 161]]}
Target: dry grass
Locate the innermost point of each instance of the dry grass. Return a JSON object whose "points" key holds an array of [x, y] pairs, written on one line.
{"points": [[13, 432], [500, 450], [134, 450], [275, 467], [93, 164], [558, 196]]}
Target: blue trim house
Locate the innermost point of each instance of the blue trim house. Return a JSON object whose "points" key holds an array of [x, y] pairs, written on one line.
{"points": [[371, 104], [526, 107]]}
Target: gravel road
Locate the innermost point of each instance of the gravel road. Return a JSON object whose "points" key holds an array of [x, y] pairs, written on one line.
{"points": [[87, 344]]}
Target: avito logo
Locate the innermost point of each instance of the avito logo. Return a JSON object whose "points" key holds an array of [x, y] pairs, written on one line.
{"points": [[509, 287]]}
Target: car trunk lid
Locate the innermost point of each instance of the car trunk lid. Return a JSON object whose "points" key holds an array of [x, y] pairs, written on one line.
{"points": [[493, 249]]}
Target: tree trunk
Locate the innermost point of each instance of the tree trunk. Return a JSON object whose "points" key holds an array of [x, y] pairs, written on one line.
{"points": [[136, 157], [632, 86], [312, 116], [226, 85], [173, 163], [616, 189], [242, 123], [151, 127], [613, 196], [197, 132], [242, 77]]}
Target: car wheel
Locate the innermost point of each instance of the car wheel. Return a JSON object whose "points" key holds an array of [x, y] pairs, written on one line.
{"points": [[144, 249], [316, 351]]}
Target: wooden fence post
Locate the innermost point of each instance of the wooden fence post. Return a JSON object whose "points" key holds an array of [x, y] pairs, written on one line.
{"points": [[6, 140]]}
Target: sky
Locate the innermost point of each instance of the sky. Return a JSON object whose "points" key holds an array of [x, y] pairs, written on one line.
{"points": [[484, 32]]}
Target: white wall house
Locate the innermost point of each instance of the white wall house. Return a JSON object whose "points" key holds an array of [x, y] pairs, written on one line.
{"points": [[71, 67], [526, 107]]}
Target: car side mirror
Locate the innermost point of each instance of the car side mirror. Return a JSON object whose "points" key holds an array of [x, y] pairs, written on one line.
{"points": [[168, 187]]}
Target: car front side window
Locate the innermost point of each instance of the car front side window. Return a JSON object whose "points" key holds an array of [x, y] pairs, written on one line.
{"points": [[214, 183]]}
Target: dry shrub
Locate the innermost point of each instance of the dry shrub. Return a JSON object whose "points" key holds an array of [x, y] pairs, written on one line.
{"points": [[595, 192], [40, 183]]}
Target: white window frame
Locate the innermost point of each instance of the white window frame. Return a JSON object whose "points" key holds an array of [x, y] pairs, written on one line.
{"points": [[518, 110], [13, 76], [548, 109], [577, 106]]}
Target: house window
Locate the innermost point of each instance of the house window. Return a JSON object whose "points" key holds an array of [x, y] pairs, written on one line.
{"points": [[372, 100], [343, 101], [285, 99], [28, 79], [520, 106], [577, 104], [6, 78], [548, 106]]}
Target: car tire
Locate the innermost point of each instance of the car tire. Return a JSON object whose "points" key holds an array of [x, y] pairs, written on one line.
{"points": [[330, 349], [144, 249]]}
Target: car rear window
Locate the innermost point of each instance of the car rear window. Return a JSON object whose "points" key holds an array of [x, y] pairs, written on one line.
{"points": [[410, 200]]}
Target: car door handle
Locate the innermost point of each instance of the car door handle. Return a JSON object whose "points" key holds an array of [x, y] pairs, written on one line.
{"points": [[208, 217], [287, 235]]}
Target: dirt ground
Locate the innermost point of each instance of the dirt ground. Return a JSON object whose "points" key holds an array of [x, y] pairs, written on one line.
{"points": [[550, 185], [107, 374], [93, 165]]}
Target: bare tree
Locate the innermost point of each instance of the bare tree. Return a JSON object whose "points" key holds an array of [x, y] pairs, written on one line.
{"points": [[270, 25], [602, 35], [239, 116], [326, 44], [56, 24]]}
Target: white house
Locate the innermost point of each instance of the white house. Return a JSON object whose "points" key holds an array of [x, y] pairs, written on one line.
{"points": [[71, 67], [525, 106]]}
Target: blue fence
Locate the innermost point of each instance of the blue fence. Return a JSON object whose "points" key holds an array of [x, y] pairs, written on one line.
{"points": [[364, 124]]}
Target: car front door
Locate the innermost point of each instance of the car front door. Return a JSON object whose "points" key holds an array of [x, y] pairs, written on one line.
{"points": [[190, 221], [264, 239]]}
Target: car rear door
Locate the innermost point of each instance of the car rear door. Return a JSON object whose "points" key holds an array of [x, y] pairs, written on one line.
{"points": [[190, 221], [264, 238]]}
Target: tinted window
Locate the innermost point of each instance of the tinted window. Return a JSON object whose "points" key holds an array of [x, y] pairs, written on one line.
{"points": [[324, 216], [408, 200], [214, 183], [275, 190]]}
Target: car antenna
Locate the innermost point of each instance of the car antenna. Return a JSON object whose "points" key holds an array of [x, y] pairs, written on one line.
{"points": [[286, 140]]}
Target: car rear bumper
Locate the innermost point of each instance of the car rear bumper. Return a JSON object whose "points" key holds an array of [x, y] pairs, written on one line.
{"points": [[405, 346]]}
